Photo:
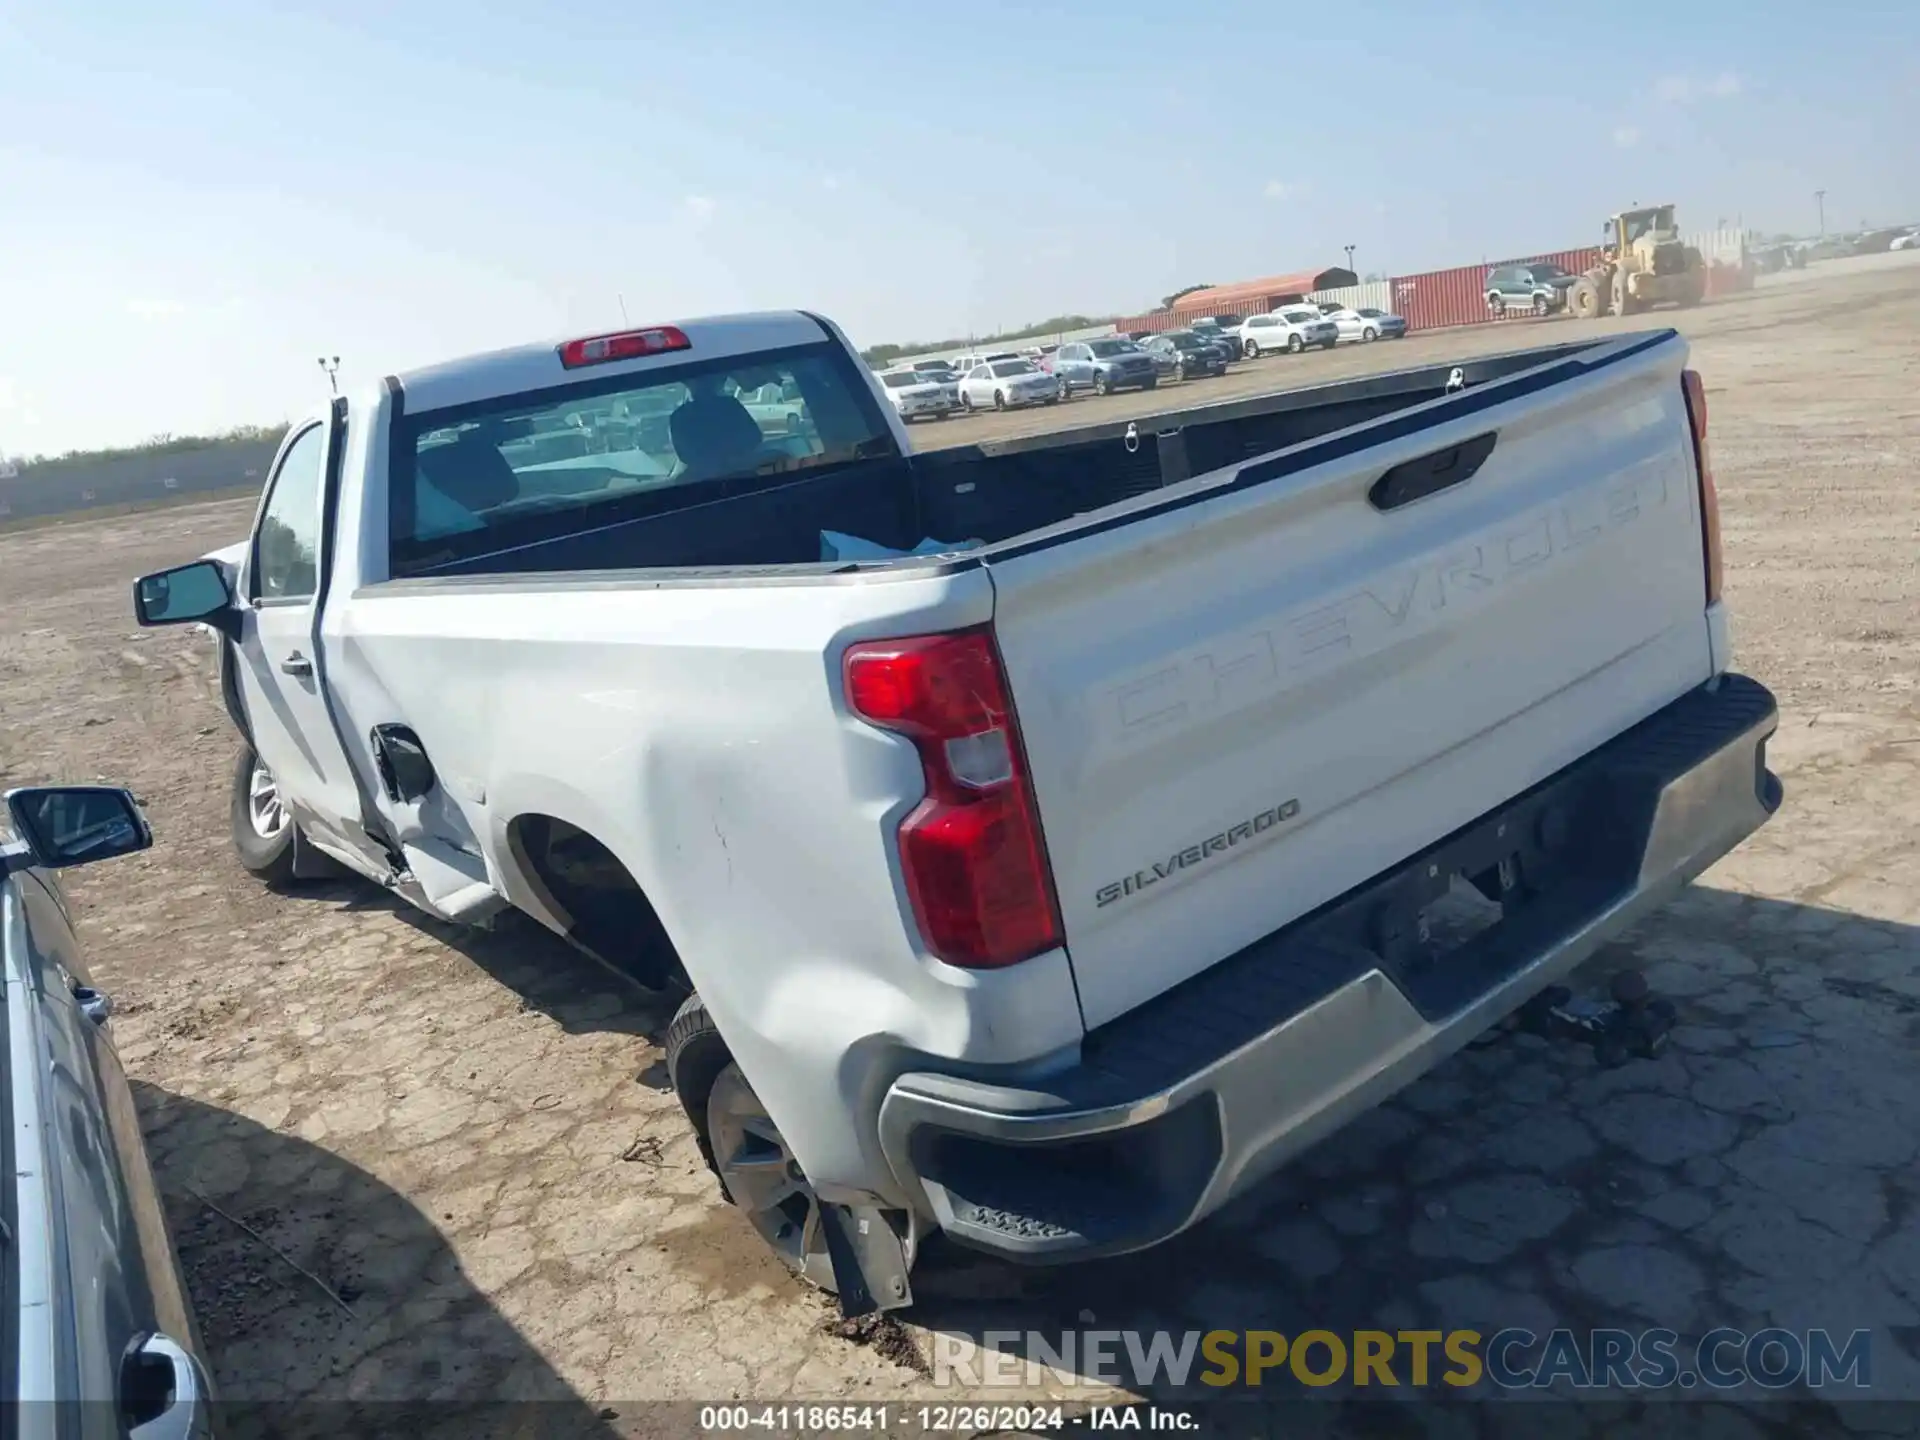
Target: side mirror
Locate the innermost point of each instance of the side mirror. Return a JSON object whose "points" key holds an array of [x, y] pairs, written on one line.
{"points": [[185, 595], [77, 824]]}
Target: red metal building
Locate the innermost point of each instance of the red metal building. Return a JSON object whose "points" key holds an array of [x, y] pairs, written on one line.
{"points": [[1246, 297]]}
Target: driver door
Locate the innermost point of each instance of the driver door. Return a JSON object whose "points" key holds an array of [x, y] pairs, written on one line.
{"points": [[277, 667]]}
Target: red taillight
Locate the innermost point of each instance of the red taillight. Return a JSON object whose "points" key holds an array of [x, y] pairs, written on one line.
{"points": [[975, 862], [626, 345], [1695, 391]]}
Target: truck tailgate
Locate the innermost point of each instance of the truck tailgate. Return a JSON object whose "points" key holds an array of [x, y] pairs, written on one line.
{"points": [[1244, 696]]}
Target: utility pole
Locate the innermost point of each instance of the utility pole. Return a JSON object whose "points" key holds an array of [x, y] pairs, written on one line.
{"points": [[1820, 201], [332, 367], [1349, 250], [623, 309]]}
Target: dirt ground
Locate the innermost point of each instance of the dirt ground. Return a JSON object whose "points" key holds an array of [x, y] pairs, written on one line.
{"points": [[464, 1140]]}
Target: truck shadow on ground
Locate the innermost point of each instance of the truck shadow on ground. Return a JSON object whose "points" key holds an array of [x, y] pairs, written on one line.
{"points": [[1761, 1172], [580, 995], [328, 1304]]}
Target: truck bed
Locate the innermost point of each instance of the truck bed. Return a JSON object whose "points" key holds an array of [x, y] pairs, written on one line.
{"points": [[1025, 491]]}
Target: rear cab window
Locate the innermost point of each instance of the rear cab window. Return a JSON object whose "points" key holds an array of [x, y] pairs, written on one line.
{"points": [[541, 465]]}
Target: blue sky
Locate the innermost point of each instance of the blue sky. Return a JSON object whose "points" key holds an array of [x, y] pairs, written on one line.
{"points": [[197, 199]]}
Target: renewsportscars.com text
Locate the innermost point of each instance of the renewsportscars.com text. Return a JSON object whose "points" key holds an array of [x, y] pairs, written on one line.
{"points": [[1721, 1359]]}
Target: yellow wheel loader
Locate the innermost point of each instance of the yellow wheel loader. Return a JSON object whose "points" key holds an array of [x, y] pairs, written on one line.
{"points": [[1642, 263]]}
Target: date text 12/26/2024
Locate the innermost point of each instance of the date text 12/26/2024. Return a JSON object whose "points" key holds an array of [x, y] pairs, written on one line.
{"points": [[963, 1419]]}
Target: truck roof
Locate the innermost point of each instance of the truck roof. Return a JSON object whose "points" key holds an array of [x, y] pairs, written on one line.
{"points": [[520, 368]]}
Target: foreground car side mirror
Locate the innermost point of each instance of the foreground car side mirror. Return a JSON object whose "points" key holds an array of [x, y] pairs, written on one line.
{"points": [[65, 825], [187, 594]]}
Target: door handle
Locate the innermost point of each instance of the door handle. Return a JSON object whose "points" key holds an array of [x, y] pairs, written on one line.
{"points": [[96, 1005], [185, 1412], [296, 664]]}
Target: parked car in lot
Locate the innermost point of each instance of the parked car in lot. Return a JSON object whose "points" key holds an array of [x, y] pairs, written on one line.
{"points": [[1908, 241], [778, 409], [1303, 326], [1368, 324], [1103, 366], [917, 396], [1539, 288], [96, 1316], [1187, 354], [1007, 385], [1062, 867], [1261, 335], [1224, 336]]}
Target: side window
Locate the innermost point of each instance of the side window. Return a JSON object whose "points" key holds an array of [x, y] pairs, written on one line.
{"points": [[979, 373], [286, 557]]}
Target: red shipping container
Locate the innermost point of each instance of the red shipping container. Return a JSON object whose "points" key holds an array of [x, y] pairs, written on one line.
{"points": [[1441, 298], [1728, 280]]}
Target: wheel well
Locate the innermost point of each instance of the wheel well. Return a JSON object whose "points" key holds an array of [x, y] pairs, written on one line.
{"points": [[605, 911]]}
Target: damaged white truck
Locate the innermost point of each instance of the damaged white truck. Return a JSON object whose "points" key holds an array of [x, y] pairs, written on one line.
{"points": [[1049, 836]]}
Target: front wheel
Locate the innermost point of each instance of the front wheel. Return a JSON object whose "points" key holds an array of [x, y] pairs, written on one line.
{"points": [[1253, 350], [262, 826], [1100, 385], [966, 403], [757, 1170], [1063, 391], [1295, 344], [1151, 383], [1539, 305], [1369, 335], [1497, 307]]}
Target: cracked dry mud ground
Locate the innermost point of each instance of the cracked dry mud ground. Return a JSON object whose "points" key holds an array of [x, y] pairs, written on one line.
{"points": [[465, 1137]]}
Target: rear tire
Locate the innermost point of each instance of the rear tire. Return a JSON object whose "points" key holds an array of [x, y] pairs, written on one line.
{"points": [[1369, 335], [1540, 305], [1100, 385], [1295, 344], [757, 1172], [262, 828], [1497, 306], [1583, 299], [1151, 384], [999, 399]]}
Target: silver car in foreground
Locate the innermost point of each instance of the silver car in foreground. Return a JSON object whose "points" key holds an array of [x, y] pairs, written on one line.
{"points": [[1006, 385], [103, 1341]]}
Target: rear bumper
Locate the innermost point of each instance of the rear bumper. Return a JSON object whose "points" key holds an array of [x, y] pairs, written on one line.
{"points": [[1180, 1105]]}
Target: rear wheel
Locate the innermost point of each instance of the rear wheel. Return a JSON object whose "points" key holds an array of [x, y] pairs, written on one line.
{"points": [[1064, 390], [999, 399], [262, 826], [1497, 305], [1152, 382], [1369, 335], [1295, 344], [1100, 385], [966, 403], [1539, 305], [757, 1170], [1583, 299]]}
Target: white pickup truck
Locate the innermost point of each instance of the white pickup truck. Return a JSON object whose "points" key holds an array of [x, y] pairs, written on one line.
{"points": [[1067, 859]]}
